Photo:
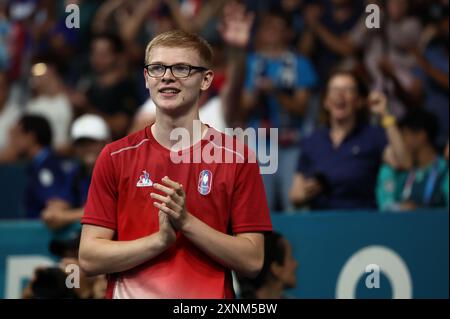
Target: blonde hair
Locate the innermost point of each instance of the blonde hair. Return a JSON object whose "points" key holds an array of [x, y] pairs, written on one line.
{"points": [[182, 39]]}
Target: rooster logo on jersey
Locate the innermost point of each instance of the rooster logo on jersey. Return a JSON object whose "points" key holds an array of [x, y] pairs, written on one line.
{"points": [[144, 180]]}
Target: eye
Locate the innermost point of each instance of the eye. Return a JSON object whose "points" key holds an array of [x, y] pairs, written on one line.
{"points": [[181, 69], [156, 68]]}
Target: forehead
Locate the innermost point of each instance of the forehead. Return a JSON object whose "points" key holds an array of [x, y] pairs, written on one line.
{"points": [[342, 80], [169, 56]]}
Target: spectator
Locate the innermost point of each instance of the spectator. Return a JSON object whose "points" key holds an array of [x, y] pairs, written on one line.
{"points": [[387, 55], [276, 95], [110, 93], [9, 114], [48, 283], [47, 173], [426, 183], [326, 27], [51, 102], [277, 274], [433, 71], [89, 134], [93, 287], [339, 162]]}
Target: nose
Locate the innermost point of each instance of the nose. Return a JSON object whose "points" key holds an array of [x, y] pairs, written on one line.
{"points": [[168, 76]]}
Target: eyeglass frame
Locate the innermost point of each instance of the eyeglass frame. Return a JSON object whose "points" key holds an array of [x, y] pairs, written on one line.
{"points": [[191, 68]]}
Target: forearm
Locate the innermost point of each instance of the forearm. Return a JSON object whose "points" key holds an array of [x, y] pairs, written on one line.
{"points": [[437, 75], [336, 44], [397, 145], [103, 256], [237, 253], [233, 88]]}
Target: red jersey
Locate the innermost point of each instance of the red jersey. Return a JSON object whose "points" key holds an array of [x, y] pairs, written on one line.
{"points": [[229, 197]]}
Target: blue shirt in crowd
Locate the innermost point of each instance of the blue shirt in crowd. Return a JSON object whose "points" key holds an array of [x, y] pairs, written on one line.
{"points": [[47, 180], [288, 73], [349, 170]]}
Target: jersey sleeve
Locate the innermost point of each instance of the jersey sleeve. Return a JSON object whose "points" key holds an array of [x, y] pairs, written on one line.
{"points": [[101, 205], [250, 211]]}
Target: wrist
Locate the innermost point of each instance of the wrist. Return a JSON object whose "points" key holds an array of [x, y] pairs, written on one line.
{"points": [[187, 222], [388, 120], [162, 241]]}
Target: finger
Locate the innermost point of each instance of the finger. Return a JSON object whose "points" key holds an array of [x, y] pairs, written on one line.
{"points": [[165, 189], [176, 186], [171, 192], [163, 208], [166, 200]]}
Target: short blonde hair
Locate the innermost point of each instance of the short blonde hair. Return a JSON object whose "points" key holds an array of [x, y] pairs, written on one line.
{"points": [[182, 39]]}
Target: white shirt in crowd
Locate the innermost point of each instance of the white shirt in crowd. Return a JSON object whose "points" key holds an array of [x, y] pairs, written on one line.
{"points": [[58, 112]]}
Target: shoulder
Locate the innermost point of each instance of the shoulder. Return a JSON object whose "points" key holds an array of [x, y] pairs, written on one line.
{"points": [[318, 136], [231, 143], [130, 142]]}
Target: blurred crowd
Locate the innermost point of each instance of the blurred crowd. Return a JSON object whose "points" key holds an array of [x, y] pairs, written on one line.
{"points": [[362, 113]]}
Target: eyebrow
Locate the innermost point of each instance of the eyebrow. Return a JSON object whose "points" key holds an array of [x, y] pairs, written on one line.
{"points": [[159, 62]]}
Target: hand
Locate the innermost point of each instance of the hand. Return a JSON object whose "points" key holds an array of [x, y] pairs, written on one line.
{"points": [[313, 13], [166, 233], [312, 188], [173, 204], [378, 103], [265, 85], [236, 25], [54, 218], [386, 67], [408, 205]]}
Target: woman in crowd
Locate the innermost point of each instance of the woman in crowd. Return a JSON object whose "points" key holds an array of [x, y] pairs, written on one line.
{"points": [[339, 163]]}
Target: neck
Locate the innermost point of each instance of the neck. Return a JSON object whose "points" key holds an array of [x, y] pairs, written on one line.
{"points": [[272, 290], [341, 128], [425, 156], [52, 89], [166, 123], [34, 150]]}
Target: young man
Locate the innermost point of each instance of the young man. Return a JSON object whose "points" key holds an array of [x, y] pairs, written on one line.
{"points": [[426, 183], [168, 230]]}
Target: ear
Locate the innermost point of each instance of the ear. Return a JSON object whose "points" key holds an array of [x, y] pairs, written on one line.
{"points": [[276, 270], [207, 80], [146, 79]]}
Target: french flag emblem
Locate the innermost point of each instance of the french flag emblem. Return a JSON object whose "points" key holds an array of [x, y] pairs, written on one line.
{"points": [[205, 182]]}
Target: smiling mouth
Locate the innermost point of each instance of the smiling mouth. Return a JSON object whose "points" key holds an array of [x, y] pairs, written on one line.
{"points": [[169, 91]]}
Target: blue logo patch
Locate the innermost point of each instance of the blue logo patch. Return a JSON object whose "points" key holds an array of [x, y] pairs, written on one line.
{"points": [[205, 182]]}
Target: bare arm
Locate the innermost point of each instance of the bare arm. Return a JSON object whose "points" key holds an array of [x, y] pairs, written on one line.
{"points": [[235, 30], [131, 23], [208, 10], [100, 254], [303, 189], [396, 147], [437, 75], [338, 44], [243, 253]]}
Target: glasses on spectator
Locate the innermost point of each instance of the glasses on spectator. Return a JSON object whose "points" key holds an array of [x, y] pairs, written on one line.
{"points": [[180, 71]]}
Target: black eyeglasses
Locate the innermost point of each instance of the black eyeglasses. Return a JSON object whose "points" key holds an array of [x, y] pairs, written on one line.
{"points": [[180, 71]]}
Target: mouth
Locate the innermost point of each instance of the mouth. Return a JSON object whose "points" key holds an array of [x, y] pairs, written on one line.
{"points": [[340, 105], [169, 91]]}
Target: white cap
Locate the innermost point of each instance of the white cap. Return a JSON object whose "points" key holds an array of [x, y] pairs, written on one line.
{"points": [[90, 126]]}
